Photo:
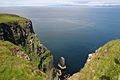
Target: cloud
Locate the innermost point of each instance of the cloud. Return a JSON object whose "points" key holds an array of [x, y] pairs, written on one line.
{"points": [[55, 2]]}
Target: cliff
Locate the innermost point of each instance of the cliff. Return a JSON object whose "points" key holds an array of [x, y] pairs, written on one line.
{"points": [[19, 31], [104, 64]]}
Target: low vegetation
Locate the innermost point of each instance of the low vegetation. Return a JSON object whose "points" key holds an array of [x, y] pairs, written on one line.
{"points": [[103, 65], [10, 18], [16, 68]]}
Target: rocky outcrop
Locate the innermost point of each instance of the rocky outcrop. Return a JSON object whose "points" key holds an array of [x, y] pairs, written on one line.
{"points": [[20, 32], [20, 53], [61, 64]]}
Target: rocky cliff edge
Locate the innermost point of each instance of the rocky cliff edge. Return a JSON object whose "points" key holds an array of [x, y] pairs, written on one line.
{"points": [[19, 31]]}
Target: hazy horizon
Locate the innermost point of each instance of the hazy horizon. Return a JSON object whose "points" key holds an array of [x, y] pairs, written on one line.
{"points": [[59, 2]]}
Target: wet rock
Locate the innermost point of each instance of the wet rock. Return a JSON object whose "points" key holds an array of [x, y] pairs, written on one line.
{"points": [[59, 72], [66, 76]]}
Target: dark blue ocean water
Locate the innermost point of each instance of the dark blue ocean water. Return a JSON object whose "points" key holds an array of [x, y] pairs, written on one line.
{"points": [[72, 32]]}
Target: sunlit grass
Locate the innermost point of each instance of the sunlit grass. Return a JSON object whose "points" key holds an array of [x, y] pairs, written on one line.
{"points": [[105, 65], [10, 18], [13, 67]]}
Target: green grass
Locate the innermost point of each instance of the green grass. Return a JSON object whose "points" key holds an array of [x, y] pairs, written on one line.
{"points": [[10, 18], [105, 64], [15, 68]]}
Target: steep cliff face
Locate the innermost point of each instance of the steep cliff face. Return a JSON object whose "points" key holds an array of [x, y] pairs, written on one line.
{"points": [[19, 31], [104, 64]]}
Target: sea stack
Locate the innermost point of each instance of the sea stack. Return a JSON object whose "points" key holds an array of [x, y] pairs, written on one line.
{"points": [[62, 65]]}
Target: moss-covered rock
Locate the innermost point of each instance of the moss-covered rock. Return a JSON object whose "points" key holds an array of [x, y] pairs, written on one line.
{"points": [[19, 31]]}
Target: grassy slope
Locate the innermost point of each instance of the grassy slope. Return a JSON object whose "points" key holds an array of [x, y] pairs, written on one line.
{"points": [[10, 18], [104, 65], [13, 67]]}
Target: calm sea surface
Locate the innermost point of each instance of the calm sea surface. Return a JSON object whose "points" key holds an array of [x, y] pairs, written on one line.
{"points": [[72, 32]]}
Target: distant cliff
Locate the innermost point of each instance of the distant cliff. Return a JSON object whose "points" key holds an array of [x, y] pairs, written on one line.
{"points": [[19, 31], [104, 64]]}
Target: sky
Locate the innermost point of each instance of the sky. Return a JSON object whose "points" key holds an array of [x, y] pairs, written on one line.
{"points": [[57, 2]]}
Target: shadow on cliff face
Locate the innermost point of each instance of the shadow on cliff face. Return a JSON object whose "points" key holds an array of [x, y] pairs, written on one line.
{"points": [[117, 61], [12, 32], [104, 77]]}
